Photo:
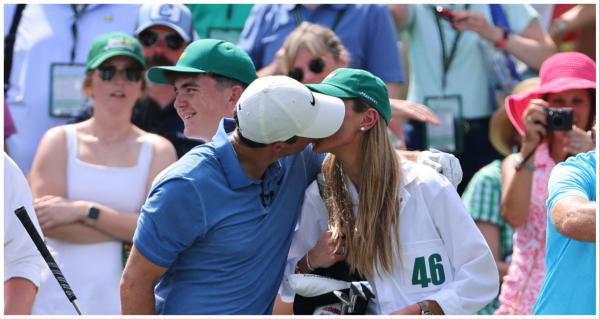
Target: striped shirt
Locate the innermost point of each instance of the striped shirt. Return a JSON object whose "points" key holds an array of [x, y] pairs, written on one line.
{"points": [[482, 199]]}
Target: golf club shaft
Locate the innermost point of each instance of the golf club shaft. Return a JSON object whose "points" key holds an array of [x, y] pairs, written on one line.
{"points": [[22, 215]]}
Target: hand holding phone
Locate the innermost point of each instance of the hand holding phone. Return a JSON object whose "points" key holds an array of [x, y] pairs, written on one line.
{"points": [[445, 13]]}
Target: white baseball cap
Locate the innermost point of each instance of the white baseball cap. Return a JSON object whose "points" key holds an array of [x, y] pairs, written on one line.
{"points": [[277, 108]]}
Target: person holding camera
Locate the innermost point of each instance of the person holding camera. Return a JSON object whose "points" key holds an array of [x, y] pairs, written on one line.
{"points": [[555, 121]]}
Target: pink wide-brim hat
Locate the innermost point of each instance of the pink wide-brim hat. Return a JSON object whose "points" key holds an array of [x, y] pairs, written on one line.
{"points": [[560, 72]]}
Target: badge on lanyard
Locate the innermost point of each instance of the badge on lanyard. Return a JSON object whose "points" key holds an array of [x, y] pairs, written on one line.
{"points": [[66, 81], [228, 34], [448, 136]]}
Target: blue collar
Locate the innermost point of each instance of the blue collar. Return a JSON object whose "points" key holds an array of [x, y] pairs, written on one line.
{"points": [[228, 158], [232, 168]]}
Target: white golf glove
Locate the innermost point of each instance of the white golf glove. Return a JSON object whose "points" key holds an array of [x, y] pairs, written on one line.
{"points": [[444, 163]]}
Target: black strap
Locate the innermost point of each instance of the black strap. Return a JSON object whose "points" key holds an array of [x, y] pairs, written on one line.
{"points": [[446, 59], [337, 20], [9, 44]]}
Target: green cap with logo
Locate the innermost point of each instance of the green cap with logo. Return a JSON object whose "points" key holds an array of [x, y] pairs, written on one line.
{"points": [[210, 56], [357, 84], [113, 44]]}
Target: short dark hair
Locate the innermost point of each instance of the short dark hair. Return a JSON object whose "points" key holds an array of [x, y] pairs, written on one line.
{"points": [[253, 144], [223, 82]]}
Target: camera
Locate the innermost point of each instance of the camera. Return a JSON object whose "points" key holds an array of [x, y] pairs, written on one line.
{"points": [[559, 119]]}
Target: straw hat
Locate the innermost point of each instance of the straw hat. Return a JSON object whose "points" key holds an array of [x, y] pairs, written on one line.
{"points": [[502, 133]]}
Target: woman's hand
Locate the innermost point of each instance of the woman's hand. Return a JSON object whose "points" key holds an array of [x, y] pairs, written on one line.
{"points": [[475, 21], [534, 122], [327, 251], [579, 141], [53, 211]]}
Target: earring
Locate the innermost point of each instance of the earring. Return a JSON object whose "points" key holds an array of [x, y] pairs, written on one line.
{"points": [[363, 128]]}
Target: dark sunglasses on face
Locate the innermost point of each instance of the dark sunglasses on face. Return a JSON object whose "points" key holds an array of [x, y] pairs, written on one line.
{"points": [[132, 73], [316, 65], [149, 38]]}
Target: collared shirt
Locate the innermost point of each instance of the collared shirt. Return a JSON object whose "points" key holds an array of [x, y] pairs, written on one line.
{"points": [[222, 235], [268, 26], [569, 287], [468, 73], [443, 256], [44, 37], [482, 199]]}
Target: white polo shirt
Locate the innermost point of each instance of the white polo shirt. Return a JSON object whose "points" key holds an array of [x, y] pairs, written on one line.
{"points": [[443, 256], [21, 257], [44, 37]]}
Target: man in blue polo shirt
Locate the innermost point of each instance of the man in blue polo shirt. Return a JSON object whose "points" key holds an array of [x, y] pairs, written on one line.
{"points": [[570, 284], [215, 230]]}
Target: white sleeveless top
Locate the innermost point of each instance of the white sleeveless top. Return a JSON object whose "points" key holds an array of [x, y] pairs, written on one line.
{"points": [[93, 270]]}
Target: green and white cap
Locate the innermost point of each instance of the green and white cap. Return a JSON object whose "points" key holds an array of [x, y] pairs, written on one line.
{"points": [[113, 44], [209, 56], [357, 84]]}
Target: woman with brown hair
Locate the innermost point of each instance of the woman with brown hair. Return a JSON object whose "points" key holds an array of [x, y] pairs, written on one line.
{"points": [[400, 224]]}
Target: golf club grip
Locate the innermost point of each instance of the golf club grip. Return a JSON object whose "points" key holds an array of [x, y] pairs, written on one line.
{"points": [[22, 215]]}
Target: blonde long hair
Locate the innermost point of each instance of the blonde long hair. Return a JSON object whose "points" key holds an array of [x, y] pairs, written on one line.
{"points": [[318, 39], [371, 235]]}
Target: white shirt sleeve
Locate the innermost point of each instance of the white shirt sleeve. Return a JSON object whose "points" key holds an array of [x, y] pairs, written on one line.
{"points": [[311, 224], [476, 278], [21, 257]]}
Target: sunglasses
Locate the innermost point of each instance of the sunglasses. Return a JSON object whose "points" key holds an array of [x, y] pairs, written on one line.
{"points": [[132, 73], [149, 38], [316, 65]]}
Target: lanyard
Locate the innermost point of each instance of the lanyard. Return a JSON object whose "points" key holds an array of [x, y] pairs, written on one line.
{"points": [[77, 12], [446, 60], [337, 20]]}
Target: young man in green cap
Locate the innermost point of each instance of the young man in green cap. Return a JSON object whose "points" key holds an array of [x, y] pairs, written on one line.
{"points": [[214, 233]]}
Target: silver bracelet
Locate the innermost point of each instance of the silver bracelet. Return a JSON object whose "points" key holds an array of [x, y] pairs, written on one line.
{"points": [[308, 264], [520, 163]]}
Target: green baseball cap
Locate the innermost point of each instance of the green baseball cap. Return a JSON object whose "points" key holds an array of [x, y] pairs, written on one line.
{"points": [[113, 44], [357, 84], [210, 55]]}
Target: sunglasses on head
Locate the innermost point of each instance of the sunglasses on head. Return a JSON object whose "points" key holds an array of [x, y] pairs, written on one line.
{"points": [[149, 38], [316, 65], [132, 73]]}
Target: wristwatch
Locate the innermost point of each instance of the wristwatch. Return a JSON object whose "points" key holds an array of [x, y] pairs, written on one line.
{"points": [[424, 308], [92, 215]]}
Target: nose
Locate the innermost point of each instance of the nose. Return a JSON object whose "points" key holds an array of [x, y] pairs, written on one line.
{"points": [[180, 102], [309, 77]]}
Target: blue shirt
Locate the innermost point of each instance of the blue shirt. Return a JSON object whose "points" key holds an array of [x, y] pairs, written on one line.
{"points": [[223, 236], [570, 284], [367, 32]]}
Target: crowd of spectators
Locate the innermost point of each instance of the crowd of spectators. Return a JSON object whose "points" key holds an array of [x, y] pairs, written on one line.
{"points": [[130, 139]]}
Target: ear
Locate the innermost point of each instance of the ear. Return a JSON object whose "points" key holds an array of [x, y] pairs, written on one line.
{"points": [[234, 96], [276, 148], [369, 119]]}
